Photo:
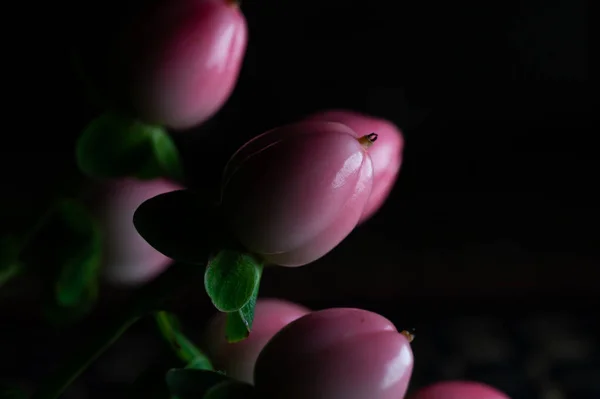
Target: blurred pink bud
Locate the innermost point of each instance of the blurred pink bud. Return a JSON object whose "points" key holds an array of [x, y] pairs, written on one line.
{"points": [[183, 59], [459, 390], [292, 194], [128, 258], [386, 155], [238, 359], [335, 354]]}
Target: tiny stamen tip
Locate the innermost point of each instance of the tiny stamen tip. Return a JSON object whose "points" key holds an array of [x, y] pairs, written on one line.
{"points": [[367, 140], [409, 334]]}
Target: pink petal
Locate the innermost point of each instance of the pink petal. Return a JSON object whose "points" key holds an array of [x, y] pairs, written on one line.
{"points": [[184, 58], [238, 359], [304, 183], [386, 154], [129, 259], [336, 353], [459, 390]]}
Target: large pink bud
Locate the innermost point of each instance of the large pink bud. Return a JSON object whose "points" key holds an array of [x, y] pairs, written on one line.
{"points": [[128, 258], [335, 354], [182, 60], [386, 155], [459, 390], [238, 359], [294, 193]]}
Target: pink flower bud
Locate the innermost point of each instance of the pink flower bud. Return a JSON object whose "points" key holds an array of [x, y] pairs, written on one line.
{"points": [[386, 155], [292, 194], [335, 354], [459, 390], [238, 359], [182, 60], [128, 258]]}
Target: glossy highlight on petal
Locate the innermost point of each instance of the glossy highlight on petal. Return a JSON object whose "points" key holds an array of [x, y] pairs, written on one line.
{"points": [[293, 193], [386, 155], [335, 353]]}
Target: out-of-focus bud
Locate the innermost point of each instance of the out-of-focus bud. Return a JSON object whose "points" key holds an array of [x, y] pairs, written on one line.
{"points": [[238, 359], [335, 354], [386, 155], [294, 193], [459, 390], [128, 258], [180, 60]]}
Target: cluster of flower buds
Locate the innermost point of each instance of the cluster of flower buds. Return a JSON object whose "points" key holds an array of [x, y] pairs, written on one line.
{"points": [[288, 196]]}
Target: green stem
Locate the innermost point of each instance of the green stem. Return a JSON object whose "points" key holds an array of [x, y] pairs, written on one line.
{"points": [[73, 185], [181, 345], [9, 272], [82, 359], [37, 227], [14, 247], [23, 243], [146, 300]]}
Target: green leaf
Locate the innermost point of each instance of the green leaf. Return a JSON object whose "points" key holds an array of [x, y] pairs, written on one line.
{"points": [[77, 282], [9, 258], [230, 390], [167, 155], [147, 299], [230, 279], [185, 349], [191, 383], [61, 316], [179, 224], [239, 323], [114, 145]]}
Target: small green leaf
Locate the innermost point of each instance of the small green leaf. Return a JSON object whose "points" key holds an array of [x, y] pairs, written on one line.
{"points": [[81, 257], [167, 155], [180, 225], [185, 349], [114, 145], [239, 323], [230, 390], [61, 316], [191, 383], [9, 258], [231, 278]]}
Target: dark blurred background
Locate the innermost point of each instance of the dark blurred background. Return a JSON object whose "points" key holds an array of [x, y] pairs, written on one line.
{"points": [[489, 243]]}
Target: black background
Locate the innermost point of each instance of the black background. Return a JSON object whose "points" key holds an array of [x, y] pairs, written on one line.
{"points": [[496, 210]]}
